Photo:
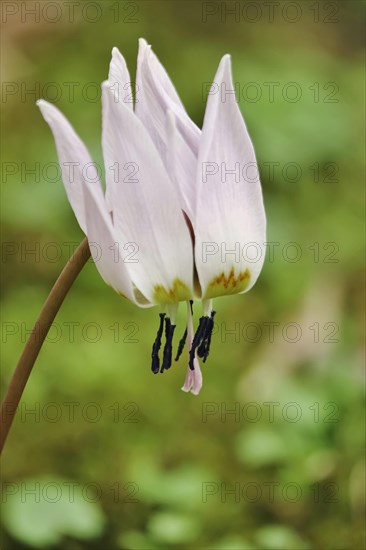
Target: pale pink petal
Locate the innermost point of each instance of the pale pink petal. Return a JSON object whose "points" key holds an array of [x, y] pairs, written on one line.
{"points": [[74, 159], [146, 209], [230, 224], [155, 95]]}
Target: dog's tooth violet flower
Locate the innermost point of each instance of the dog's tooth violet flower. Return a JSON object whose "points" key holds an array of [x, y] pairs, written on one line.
{"points": [[184, 200]]}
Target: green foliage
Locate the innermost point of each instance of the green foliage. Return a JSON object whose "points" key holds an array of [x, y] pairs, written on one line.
{"points": [[50, 509], [165, 462]]}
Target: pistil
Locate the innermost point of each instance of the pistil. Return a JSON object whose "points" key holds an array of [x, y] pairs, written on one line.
{"points": [[193, 381]]}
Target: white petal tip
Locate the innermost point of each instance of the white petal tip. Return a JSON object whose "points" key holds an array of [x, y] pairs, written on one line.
{"points": [[42, 104], [106, 85], [48, 110], [146, 53], [226, 62], [224, 69], [117, 56], [144, 48]]}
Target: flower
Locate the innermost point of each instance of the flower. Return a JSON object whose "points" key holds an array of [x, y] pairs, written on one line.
{"points": [[182, 198]]}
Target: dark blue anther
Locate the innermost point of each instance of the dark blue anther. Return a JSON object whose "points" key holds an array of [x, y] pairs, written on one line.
{"points": [[209, 335], [155, 363], [181, 345], [200, 332], [168, 348]]}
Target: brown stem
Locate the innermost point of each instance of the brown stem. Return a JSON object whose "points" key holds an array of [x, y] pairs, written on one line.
{"points": [[38, 335]]}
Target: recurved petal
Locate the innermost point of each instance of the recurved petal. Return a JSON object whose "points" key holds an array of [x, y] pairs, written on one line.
{"points": [[120, 80], [230, 219], [103, 244], [120, 83], [181, 165], [146, 213], [155, 95], [74, 158]]}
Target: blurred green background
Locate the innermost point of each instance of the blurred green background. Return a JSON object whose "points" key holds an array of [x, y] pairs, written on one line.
{"points": [[152, 467]]}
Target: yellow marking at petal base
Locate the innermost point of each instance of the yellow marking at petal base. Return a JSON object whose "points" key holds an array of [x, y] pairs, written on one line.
{"points": [[223, 285], [179, 292]]}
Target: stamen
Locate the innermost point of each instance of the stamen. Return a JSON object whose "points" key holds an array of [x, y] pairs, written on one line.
{"points": [[200, 333], [155, 363], [209, 335], [202, 347], [182, 341], [168, 348], [181, 345], [202, 338]]}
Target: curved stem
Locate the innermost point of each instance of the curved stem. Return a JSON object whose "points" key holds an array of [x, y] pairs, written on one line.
{"points": [[38, 335]]}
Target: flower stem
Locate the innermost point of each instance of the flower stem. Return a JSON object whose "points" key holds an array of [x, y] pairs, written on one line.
{"points": [[38, 335]]}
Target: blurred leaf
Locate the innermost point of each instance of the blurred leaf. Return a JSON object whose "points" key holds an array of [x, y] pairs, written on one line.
{"points": [[57, 509], [234, 543], [259, 446], [172, 528], [280, 537], [133, 540]]}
